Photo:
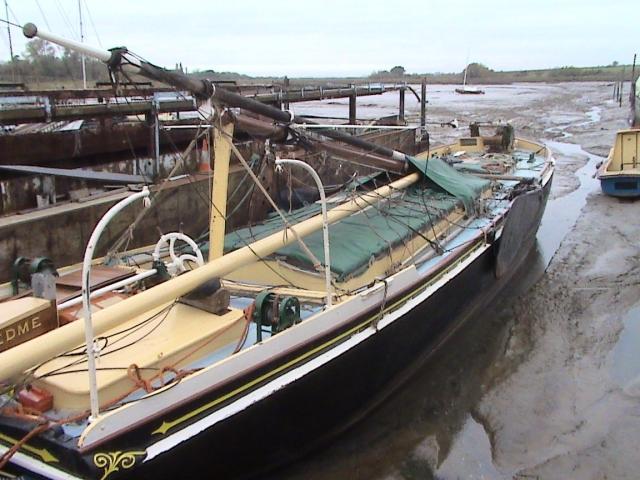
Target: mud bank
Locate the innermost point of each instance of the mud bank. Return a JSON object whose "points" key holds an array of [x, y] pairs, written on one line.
{"points": [[546, 383]]}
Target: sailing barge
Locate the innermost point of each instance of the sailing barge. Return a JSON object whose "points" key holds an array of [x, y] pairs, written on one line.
{"points": [[164, 365]]}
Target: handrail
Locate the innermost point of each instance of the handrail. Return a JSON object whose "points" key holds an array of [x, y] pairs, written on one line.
{"points": [[92, 348], [325, 222]]}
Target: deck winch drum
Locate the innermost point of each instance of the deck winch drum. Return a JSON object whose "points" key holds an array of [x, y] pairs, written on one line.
{"points": [[276, 312]]}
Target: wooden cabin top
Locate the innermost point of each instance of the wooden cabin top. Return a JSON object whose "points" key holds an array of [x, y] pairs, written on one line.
{"points": [[623, 157]]}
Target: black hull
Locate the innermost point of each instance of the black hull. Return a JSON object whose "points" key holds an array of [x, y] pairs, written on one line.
{"points": [[297, 418]]}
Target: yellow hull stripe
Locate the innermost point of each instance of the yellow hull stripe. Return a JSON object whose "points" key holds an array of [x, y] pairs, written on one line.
{"points": [[43, 453]]}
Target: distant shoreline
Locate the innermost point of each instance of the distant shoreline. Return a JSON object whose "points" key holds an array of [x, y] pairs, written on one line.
{"points": [[611, 73]]}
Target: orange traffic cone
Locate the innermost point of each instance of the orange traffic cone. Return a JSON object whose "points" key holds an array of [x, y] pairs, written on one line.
{"points": [[204, 165]]}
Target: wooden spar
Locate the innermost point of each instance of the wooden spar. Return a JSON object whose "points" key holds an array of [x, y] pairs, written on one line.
{"points": [[72, 112], [259, 128], [222, 138], [234, 100], [263, 128], [22, 357], [359, 157], [205, 90]]}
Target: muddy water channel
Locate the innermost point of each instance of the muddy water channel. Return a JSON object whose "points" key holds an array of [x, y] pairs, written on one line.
{"points": [[544, 384]]}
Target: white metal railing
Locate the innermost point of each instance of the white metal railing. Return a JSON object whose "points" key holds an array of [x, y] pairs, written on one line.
{"points": [[325, 223], [86, 294]]}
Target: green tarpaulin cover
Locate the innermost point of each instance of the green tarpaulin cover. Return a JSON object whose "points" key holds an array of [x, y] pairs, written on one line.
{"points": [[461, 185], [360, 238]]}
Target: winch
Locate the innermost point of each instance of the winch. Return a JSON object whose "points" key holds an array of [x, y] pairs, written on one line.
{"points": [[272, 310], [23, 268]]}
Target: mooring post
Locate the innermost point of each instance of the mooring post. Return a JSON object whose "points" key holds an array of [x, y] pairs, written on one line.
{"points": [[618, 88], [621, 90], [423, 105], [156, 136], [146, 164], [401, 105], [286, 92], [352, 106]]}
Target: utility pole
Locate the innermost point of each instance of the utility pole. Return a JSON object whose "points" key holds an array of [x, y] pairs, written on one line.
{"points": [[6, 10], [84, 68]]}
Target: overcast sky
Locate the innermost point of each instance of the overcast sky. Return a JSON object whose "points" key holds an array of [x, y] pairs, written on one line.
{"points": [[341, 38]]}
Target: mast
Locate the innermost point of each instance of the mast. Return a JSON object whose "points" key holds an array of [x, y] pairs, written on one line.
{"points": [[222, 138], [634, 119], [84, 68], [6, 10], [464, 80]]}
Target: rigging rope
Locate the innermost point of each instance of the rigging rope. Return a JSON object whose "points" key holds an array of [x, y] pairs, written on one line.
{"points": [[123, 238], [44, 17], [316, 263], [65, 17], [210, 205], [10, 23], [93, 25]]}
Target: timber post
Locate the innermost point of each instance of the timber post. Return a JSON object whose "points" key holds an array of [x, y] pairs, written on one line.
{"points": [[286, 92], [423, 104], [156, 136], [352, 106], [221, 155], [401, 104]]}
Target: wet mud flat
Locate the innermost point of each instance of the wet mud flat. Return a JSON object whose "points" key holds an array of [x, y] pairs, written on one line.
{"points": [[545, 383]]}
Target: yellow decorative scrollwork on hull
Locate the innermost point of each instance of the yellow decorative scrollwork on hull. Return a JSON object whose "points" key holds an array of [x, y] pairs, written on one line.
{"points": [[114, 461], [43, 453]]}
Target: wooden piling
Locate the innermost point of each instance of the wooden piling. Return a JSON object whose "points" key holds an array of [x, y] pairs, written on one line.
{"points": [[352, 108], [156, 138], [286, 89], [423, 104]]}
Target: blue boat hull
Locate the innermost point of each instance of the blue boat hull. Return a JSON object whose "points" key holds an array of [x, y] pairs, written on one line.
{"points": [[621, 186]]}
